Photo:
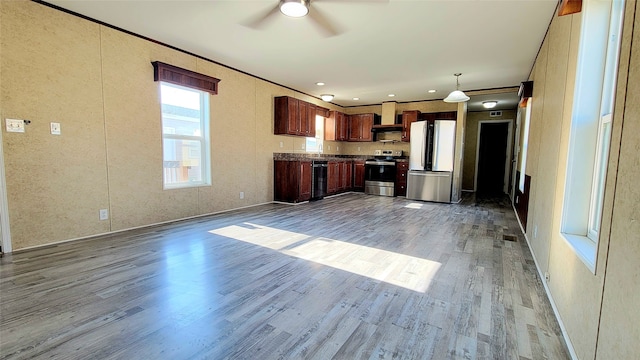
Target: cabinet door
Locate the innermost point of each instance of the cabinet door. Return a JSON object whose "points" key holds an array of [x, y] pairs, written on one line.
{"points": [[348, 168], [366, 124], [341, 179], [408, 117], [310, 128], [303, 115], [305, 175], [332, 177], [331, 127], [402, 169], [285, 116], [355, 128], [358, 176], [342, 130]]}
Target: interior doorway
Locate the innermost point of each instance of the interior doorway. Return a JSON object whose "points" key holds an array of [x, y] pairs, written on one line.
{"points": [[5, 234], [493, 157]]}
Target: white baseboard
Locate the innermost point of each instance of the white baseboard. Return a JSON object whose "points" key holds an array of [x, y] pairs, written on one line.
{"points": [[565, 335]]}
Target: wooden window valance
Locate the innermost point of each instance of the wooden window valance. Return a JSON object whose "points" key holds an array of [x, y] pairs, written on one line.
{"points": [[179, 76]]}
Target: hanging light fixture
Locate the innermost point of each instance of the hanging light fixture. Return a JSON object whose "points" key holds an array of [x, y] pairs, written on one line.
{"points": [[457, 95], [326, 97], [294, 8]]}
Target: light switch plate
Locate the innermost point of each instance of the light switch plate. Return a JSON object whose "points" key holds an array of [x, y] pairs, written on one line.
{"points": [[15, 125], [55, 128]]}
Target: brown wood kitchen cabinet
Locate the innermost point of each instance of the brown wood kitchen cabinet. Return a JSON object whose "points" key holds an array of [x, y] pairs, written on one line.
{"points": [[294, 117], [402, 168], [336, 127], [358, 175], [292, 180], [360, 127], [347, 178], [408, 117], [333, 177]]}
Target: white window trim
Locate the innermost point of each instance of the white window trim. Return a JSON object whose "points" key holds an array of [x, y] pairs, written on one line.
{"points": [[203, 139], [587, 122]]}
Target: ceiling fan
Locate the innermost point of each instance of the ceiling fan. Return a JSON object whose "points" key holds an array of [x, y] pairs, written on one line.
{"points": [[301, 8]]}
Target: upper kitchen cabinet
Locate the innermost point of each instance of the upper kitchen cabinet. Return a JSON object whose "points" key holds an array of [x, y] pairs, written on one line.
{"points": [[360, 127], [336, 127], [294, 117], [408, 117]]}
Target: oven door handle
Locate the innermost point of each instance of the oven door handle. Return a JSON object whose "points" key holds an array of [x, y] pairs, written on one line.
{"points": [[386, 163]]}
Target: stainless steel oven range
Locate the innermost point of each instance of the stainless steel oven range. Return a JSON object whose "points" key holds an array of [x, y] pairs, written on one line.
{"points": [[380, 173]]}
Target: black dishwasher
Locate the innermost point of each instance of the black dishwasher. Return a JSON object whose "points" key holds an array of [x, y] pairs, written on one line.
{"points": [[319, 180]]}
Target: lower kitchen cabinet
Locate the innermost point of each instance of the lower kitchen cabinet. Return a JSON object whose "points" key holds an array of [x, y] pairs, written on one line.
{"points": [[402, 168], [333, 177], [292, 180], [347, 178], [358, 175]]}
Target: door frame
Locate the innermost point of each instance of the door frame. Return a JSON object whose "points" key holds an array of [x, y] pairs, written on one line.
{"points": [[5, 232], [508, 157]]}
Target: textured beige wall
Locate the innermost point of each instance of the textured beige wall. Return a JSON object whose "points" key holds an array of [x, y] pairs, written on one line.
{"points": [[619, 330], [98, 83], [50, 68], [471, 143], [575, 290]]}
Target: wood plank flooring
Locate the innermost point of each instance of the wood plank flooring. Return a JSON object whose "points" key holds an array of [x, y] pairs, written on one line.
{"points": [[349, 277]]}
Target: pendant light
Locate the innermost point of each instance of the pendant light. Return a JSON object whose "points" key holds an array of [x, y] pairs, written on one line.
{"points": [[457, 95]]}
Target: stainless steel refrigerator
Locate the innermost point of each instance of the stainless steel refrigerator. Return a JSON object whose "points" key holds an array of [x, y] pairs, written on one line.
{"points": [[431, 160]]}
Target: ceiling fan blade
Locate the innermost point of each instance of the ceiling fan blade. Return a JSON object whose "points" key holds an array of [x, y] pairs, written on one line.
{"points": [[260, 20], [322, 23]]}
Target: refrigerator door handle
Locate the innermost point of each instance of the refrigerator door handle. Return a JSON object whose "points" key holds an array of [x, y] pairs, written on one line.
{"points": [[422, 152]]}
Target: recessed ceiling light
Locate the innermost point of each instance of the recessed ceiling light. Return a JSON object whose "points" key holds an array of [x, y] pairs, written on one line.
{"points": [[356, 98], [392, 95], [320, 83], [489, 104], [432, 91]]}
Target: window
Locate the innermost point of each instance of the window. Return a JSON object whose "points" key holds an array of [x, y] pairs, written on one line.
{"points": [[591, 125], [314, 144], [185, 136]]}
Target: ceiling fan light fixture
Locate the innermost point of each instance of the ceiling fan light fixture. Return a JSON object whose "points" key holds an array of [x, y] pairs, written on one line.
{"points": [[326, 97], [489, 104], [456, 96], [294, 8]]}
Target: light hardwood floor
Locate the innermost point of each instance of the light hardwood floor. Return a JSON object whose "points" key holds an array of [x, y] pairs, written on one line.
{"points": [[349, 277]]}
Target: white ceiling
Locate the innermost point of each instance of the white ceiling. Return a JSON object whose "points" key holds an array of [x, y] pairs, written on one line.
{"points": [[404, 47]]}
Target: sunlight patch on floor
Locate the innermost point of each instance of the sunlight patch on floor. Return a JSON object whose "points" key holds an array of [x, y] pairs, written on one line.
{"points": [[394, 268], [414, 206]]}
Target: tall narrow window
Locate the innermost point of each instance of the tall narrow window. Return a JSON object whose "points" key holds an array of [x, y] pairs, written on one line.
{"points": [[315, 144], [185, 136], [591, 125]]}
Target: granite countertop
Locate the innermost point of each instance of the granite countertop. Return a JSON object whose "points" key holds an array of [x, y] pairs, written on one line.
{"points": [[327, 157]]}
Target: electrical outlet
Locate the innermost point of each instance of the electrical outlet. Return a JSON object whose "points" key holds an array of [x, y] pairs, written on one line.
{"points": [[358, 148], [547, 277], [104, 214], [281, 144], [337, 148], [302, 146], [55, 128], [241, 195], [535, 232]]}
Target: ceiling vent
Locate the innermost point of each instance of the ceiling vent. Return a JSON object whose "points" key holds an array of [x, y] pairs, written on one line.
{"points": [[495, 113]]}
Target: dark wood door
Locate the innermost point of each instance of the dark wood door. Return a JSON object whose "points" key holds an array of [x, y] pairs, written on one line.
{"points": [[366, 124], [303, 115], [332, 177], [341, 177], [293, 122], [408, 117], [355, 128], [310, 128], [358, 175], [348, 170], [402, 168], [342, 131], [305, 175], [492, 155]]}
